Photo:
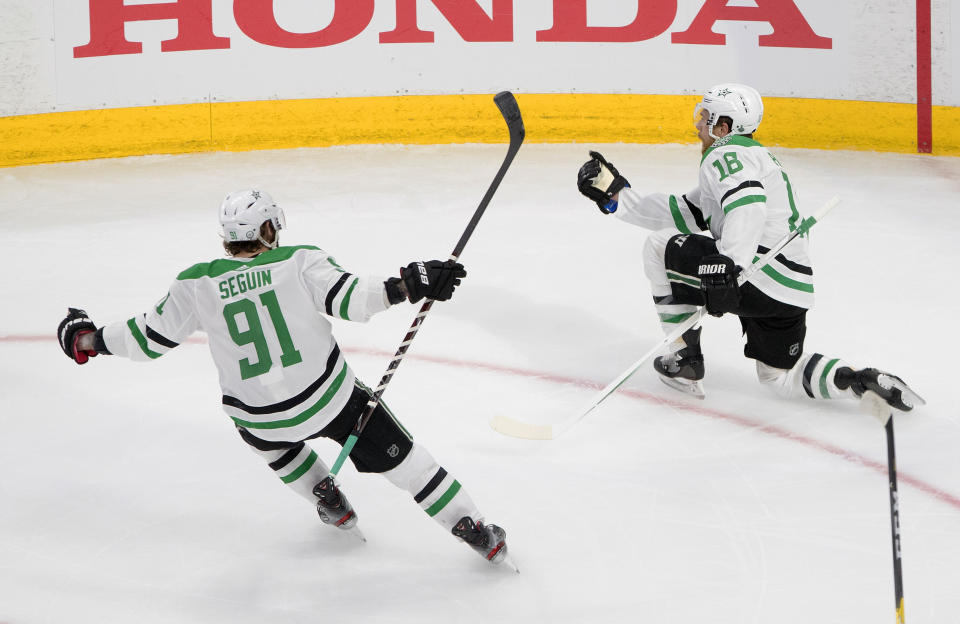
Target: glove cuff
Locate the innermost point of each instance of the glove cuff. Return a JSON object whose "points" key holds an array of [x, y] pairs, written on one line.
{"points": [[98, 343], [609, 206], [80, 356], [619, 183], [396, 290]]}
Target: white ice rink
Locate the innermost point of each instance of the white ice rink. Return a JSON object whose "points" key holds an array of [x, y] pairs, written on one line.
{"points": [[126, 495]]}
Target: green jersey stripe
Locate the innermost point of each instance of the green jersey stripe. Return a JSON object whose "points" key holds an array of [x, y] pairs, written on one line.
{"points": [[772, 273], [823, 378], [678, 219], [345, 304], [141, 339], [435, 508], [225, 265], [730, 139], [794, 215], [676, 277], [302, 416], [301, 469], [749, 199]]}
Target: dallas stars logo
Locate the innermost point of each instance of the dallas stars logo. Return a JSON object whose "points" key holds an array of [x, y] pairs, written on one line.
{"points": [[256, 194], [723, 92]]}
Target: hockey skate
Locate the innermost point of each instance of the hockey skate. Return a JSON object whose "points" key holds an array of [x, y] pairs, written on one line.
{"points": [[890, 388], [682, 370], [488, 540], [334, 508]]}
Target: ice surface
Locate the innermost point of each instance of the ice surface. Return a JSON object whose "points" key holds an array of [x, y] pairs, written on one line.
{"points": [[126, 495]]}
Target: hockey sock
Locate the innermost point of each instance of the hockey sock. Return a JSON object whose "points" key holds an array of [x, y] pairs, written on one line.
{"points": [[433, 488], [298, 466], [812, 376], [671, 313]]}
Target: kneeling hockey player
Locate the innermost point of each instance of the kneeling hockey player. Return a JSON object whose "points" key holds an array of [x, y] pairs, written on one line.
{"points": [[283, 376], [745, 202]]}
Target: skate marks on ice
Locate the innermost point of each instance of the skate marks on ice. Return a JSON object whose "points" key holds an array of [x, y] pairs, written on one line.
{"points": [[220, 541]]}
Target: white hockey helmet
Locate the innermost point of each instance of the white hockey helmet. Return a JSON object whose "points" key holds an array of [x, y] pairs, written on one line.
{"points": [[742, 104], [243, 212]]}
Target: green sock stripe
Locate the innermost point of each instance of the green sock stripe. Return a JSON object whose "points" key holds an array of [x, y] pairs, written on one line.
{"points": [[435, 508], [823, 377], [302, 470], [141, 339], [675, 318]]}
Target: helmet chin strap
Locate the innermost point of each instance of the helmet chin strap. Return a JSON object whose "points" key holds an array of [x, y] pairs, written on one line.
{"points": [[272, 245], [276, 235], [710, 128], [710, 125]]}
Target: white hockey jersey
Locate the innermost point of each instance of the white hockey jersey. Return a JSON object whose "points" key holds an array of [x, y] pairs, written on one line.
{"points": [[282, 373], [745, 200]]}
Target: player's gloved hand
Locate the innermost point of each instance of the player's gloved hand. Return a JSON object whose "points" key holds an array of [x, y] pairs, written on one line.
{"points": [[599, 180], [433, 279], [718, 280], [71, 328]]}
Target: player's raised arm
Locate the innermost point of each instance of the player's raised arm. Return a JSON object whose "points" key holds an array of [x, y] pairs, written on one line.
{"points": [[601, 182]]}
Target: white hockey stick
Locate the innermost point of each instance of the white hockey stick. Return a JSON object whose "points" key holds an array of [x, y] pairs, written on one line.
{"points": [[519, 429]]}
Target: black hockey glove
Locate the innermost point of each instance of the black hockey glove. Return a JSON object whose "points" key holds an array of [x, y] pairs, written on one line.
{"points": [[599, 180], [76, 324], [433, 279], [718, 280]]}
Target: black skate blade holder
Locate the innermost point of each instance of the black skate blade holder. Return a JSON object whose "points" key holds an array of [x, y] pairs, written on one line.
{"points": [[873, 404]]}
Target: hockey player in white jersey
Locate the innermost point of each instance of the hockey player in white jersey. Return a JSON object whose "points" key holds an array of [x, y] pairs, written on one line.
{"points": [[284, 379], [743, 204]]}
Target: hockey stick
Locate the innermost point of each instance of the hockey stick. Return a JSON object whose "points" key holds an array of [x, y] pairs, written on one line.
{"points": [[519, 429], [872, 404], [511, 114], [894, 521]]}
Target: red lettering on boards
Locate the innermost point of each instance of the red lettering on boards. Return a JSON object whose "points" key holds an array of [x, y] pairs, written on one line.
{"points": [[257, 20], [570, 22], [107, 18], [790, 29], [466, 17]]}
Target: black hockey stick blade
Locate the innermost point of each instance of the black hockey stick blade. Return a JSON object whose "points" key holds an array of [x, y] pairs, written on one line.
{"points": [[511, 114]]}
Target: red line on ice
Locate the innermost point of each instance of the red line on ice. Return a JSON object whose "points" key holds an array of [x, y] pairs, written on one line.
{"points": [[773, 430]]}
